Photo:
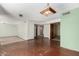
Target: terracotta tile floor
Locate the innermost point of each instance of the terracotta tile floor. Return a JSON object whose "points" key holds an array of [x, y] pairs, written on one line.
{"points": [[39, 47]]}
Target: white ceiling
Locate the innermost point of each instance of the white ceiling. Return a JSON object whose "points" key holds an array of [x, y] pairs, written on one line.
{"points": [[32, 10]]}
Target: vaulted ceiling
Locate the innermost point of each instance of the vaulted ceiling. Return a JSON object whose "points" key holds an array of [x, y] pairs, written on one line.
{"points": [[32, 10]]}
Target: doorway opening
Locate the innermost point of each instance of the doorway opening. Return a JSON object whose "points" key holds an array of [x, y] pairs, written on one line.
{"points": [[55, 31], [38, 31]]}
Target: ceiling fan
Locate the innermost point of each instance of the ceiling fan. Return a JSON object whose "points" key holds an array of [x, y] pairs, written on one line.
{"points": [[48, 11]]}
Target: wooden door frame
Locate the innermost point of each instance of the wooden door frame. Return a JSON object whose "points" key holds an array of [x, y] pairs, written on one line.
{"points": [[50, 29], [36, 30]]}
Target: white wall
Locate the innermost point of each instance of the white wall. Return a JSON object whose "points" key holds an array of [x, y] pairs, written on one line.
{"points": [[22, 30], [31, 30], [11, 27], [47, 30], [7, 19], [26, 30], [8, 30], [50, 21], [7, 26]]}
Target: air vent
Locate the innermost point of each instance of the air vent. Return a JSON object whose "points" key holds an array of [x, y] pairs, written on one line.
{"points": [[66, 13], [20, 15]]}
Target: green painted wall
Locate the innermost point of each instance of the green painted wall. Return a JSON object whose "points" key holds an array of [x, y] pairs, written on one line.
{"points": [[70, 30]]}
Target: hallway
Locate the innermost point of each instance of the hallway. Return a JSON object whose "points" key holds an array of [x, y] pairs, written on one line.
{"points": [[36, 47]]}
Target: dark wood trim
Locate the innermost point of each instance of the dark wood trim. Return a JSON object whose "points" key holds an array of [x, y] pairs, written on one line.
{"points": [[53, 30], [37, 26]]}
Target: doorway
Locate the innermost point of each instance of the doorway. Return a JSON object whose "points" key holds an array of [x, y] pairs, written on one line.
{"points": [[38, 31], [55, 31]]}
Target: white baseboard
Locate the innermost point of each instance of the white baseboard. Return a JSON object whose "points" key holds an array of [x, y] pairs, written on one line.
{"points": [[76, 50], [8, 36]]}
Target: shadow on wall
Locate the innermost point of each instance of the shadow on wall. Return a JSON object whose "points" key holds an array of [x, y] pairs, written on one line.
{"points": [[4, 12]]}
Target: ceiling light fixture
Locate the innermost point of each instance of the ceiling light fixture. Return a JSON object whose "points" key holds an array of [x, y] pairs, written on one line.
{"points": [[47, 11]]}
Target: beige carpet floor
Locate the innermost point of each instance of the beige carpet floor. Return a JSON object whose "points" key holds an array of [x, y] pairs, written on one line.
{"points": [[9, 40]]}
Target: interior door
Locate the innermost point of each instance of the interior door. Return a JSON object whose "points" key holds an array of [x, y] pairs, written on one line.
{"points": [[54, 30], [38, 31]]}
